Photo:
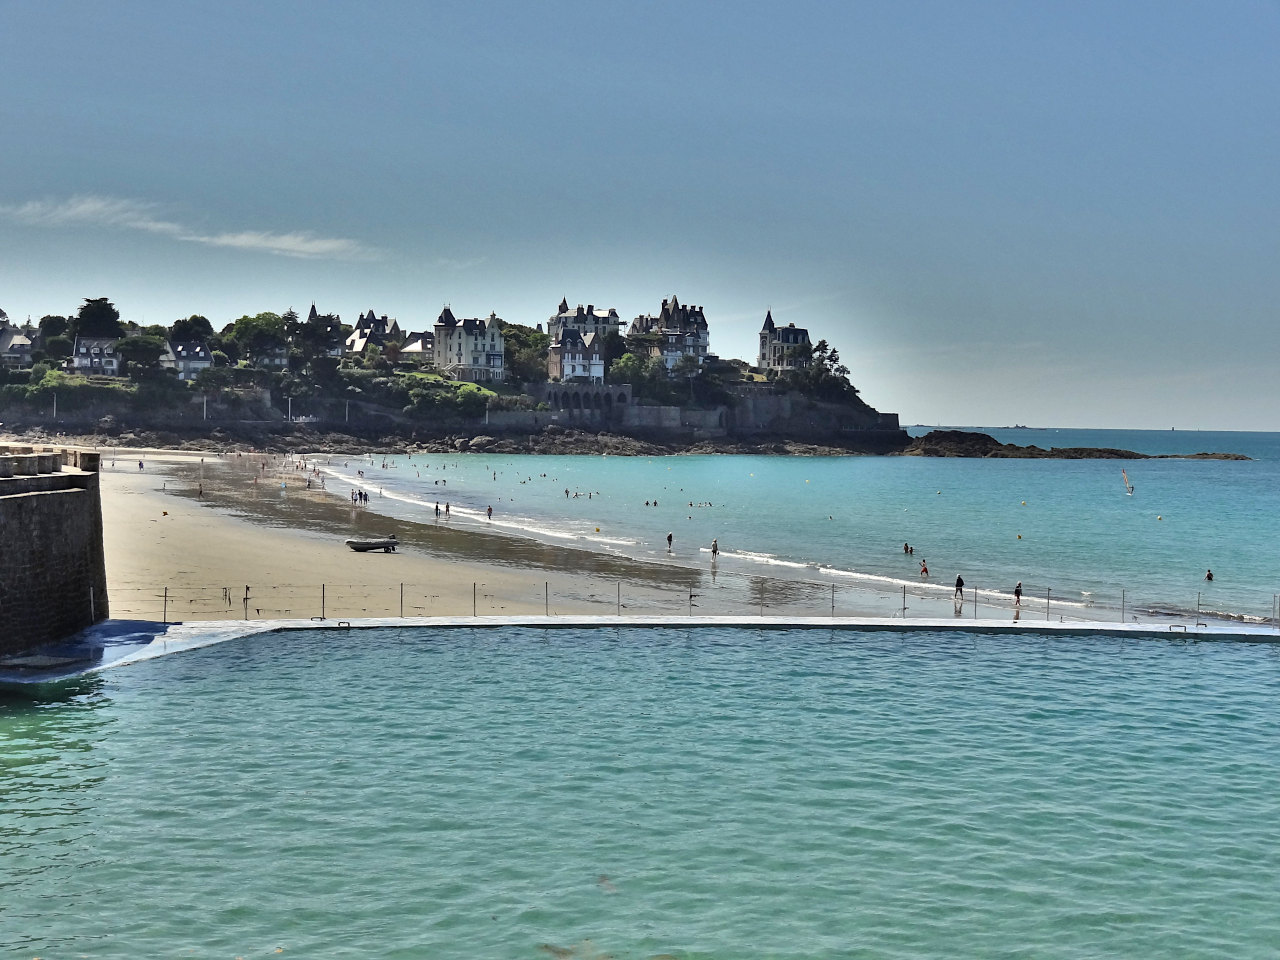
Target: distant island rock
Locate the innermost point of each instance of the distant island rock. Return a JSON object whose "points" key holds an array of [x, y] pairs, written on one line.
{"points": [[963, 443]]}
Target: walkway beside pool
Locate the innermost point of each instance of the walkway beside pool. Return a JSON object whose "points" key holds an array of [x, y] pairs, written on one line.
{"points": [[119, 643]]}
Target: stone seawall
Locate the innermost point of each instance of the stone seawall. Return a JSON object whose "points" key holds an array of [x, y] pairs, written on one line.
{"points": [[53, 578]]}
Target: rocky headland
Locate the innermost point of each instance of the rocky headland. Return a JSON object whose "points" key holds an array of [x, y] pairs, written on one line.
{"points": [[964, 443]]}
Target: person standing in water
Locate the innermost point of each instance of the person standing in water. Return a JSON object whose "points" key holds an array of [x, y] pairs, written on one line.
{"points": [[715, 549], [924, 568], [1017, 594], [668, 543], [1209, 575], [959, 588]]}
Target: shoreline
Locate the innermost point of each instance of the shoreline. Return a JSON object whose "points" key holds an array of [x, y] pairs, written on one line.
{"points": [[557, 440], [187, 535]]}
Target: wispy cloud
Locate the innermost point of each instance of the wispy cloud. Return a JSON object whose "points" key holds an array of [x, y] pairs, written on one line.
{"points": [[125, 214], [457, 266]]}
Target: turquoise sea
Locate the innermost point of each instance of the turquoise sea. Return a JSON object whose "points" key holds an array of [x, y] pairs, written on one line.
{"points": [[1061, 527], [632, 794]]}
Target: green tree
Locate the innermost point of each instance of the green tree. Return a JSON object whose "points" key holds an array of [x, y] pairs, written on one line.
{"points": [[524, 353], [627, 369], [313, 338], [58, 348], [141, 355], [52, 325], [98, 318], [258, 336], [193, 328], [687, 368], [471, 401], [820, 374], [612, 349]]}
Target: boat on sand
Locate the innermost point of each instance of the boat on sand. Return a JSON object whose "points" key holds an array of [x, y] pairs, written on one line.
{"points": [[385, 544]]}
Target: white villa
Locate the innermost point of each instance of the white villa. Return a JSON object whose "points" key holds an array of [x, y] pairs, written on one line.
{"points": [[469, 349]]}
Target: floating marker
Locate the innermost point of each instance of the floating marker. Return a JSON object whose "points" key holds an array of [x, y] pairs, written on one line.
{"points": [[1024, 503]]}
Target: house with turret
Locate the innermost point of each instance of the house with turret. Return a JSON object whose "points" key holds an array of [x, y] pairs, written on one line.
{"points": [[469, 349], [372, 330], [781, 348], [677, 331], [585, 320]]}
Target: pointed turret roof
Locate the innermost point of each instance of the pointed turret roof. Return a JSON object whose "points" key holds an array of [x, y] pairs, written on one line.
{"points": [[768, 320]]}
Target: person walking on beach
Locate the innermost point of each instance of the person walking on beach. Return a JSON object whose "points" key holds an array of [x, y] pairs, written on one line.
{"points": [[1017, 594], [960, 588], [715, 549], [668, 543], [490, 513]]}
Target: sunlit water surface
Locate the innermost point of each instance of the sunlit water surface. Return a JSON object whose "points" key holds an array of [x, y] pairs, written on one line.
{"points": [[640, 793]]}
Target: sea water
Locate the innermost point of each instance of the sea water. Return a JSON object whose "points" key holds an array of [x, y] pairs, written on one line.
{"points": [[1065, 528], [711, 793]]}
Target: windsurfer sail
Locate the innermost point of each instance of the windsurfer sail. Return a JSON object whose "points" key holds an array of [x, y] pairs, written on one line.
{"points": [[1128, 487]]}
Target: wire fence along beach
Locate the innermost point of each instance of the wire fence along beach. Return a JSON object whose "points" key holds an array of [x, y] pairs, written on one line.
{"points": [[724, 594]]}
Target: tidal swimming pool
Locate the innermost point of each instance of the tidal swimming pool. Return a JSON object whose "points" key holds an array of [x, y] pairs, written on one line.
{"points": [[709, 793]]}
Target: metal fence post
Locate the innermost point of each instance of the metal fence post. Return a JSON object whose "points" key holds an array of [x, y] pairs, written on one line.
{"points": [[402, 601], [1122, 605], [473, 598], [322, 601], [619, 598], [1047, 592], [546, 599], [833, 601], [165, 616]]}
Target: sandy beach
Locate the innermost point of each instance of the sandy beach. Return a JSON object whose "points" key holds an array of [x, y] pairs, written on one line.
{"points": [[199, 536], [205, 531]]}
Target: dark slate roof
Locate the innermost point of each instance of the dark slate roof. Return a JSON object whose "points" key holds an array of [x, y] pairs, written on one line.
{"points": [[190, 350]]}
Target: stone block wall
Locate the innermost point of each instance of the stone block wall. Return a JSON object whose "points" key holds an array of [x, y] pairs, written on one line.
{"points": [[53, 578]]}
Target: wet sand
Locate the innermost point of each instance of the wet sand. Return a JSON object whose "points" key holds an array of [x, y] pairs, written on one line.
{"points": [[206, 536], [206, 531]]}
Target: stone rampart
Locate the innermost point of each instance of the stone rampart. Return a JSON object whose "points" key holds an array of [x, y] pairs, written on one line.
{"points": [[53, 578]]}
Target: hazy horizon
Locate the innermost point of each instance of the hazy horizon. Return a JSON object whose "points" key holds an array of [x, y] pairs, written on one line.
{"points": [[997, 213]]}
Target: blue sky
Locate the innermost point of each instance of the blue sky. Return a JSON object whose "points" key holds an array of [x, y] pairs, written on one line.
{"points": [[1062, 214]]}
